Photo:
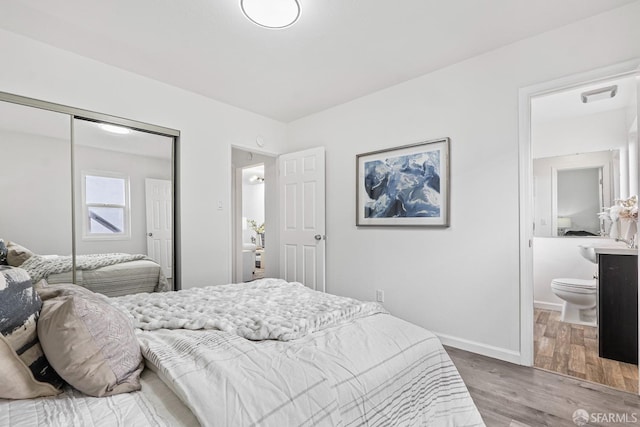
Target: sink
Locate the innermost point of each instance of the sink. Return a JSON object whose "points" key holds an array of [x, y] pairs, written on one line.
{"points": [[588, 253]]}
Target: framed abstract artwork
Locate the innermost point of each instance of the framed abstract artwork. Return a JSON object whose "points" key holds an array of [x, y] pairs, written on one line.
{"points": [[404, 186]]}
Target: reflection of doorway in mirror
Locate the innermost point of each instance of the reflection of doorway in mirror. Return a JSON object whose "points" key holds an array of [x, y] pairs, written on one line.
{"points": [[580, 198], [159, 204]]}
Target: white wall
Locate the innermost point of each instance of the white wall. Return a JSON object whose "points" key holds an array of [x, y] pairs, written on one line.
{"points": [[208, 129], [461, 282], [595, 132]]}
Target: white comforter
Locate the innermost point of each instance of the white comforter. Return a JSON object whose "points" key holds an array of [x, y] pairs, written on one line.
{"points": [[154, 406], [377, 371], [267, 309]]}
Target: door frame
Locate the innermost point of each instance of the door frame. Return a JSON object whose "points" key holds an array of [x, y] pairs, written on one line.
{"points": [[526, 185], [234, 224]]}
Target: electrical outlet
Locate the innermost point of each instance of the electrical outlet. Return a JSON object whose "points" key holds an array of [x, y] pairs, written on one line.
{"points": [[380, 295]]}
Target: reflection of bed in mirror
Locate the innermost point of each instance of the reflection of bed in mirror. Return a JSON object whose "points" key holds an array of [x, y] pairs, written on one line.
{"points": [[119, 279], [112, 275]]}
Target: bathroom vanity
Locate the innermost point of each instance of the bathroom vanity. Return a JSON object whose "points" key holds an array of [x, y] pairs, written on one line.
{"points": [[618, 303]]}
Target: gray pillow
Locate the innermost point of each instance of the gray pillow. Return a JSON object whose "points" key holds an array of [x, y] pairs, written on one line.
{"points": [[91, 344], [26, 372]]}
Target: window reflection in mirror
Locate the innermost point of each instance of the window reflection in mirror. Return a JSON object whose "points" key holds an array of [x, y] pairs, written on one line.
{"points": [[123, 192]]}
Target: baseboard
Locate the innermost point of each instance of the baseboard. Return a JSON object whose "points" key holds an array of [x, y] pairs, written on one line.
{"points": [[479, 348], [547, 305]]}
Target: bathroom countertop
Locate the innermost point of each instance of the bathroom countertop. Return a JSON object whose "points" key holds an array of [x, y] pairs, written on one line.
{"points": [[616, 250]]}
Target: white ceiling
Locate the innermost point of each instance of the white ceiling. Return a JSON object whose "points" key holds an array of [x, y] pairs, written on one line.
{"points": [[339, 50]]}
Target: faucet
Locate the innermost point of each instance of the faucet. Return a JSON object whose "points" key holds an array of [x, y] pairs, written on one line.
{"points": [[631, 243]]}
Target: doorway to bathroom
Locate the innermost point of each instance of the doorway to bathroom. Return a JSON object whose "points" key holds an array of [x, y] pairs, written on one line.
{"points": [[254, 215], [580, 161]]}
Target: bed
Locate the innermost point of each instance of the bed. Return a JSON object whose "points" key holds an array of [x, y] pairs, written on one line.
{"points": [[154, 405], [123, 278], [269, 353], [112, 274]]}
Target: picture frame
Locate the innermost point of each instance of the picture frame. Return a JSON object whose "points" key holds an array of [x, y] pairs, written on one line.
{"points": [[404, 186]]}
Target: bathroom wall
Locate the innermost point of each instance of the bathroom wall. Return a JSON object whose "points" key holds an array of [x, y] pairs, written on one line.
{"points": [[556, 257], [595, 132]]}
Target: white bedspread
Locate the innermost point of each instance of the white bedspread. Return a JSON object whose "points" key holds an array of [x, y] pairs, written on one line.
{"points": [[267, 309], [374, 371], [154, 406]]}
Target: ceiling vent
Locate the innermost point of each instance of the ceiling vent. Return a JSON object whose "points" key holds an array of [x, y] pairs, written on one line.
{"points": [[599, 94]]}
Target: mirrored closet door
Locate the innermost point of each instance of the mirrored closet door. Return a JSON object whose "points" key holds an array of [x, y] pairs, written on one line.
{"points": [[35, 184], [92, 196]]}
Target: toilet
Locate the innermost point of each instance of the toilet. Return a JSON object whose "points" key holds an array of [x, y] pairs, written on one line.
{"points": [[579, 296]]}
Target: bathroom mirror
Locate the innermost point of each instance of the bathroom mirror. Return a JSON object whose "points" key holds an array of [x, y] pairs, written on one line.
{"points": [[583, 158], [571, 190]]}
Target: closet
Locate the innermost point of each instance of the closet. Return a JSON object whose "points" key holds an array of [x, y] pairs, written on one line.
{"points": [[76, 182]]}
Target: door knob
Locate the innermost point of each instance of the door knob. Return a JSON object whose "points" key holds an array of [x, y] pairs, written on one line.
{"points": [[319, 237], [150, 234]]}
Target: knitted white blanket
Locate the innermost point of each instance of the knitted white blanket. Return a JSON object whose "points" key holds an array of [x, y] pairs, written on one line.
{"points": [[261, 310]]}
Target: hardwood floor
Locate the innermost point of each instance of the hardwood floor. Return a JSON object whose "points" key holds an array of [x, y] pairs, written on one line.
{"points": [[258, 273], [573, 350], [519, 396]]}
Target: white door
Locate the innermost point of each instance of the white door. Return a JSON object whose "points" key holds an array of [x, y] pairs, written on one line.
{"points": [[302, 217], [159, 223]]}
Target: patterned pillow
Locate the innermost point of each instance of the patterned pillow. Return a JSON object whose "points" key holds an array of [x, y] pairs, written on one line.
{"points": [[3, 253], [20, 349], [91, 344]]}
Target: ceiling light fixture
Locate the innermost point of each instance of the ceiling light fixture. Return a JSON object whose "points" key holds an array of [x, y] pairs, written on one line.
{"points": [[271, 13], [598, 94], [115, 129]]}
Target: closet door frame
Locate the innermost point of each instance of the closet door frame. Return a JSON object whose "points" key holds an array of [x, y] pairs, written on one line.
{"points": [[88, 115]]}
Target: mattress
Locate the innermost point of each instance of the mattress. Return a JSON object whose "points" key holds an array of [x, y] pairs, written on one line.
{"points": [[154, 405], [115, 280]]}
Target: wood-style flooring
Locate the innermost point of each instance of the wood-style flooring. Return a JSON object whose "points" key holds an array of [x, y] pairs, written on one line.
{"points": [[513, 395], [258, 273], [573, 350]]}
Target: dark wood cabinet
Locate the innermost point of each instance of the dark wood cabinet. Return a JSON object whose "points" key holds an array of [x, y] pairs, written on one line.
{"points": [[618, 307]]}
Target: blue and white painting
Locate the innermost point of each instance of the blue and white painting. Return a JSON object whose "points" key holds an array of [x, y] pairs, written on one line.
{"points": [[405, 186]]}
